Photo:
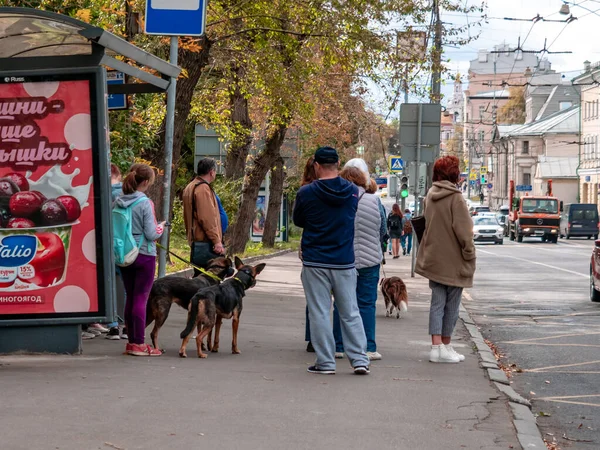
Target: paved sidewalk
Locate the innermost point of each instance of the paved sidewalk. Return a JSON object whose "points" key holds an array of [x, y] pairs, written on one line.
{"points": [[263, 398]]}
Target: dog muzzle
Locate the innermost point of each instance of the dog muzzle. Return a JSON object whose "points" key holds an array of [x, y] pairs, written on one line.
{"points": [[230, 272]]}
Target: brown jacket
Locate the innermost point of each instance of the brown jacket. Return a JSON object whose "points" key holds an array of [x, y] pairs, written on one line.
{"points": [[446, 253], [208, 220]]}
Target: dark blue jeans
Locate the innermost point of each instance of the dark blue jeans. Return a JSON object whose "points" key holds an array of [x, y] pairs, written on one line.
{"points": [[366, 296]]}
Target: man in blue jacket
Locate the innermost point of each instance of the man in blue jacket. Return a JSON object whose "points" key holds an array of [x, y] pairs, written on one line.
{"points": [[326, 210]]}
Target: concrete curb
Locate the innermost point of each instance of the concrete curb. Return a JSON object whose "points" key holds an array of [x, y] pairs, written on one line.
{"points": [[528, 433], [187, 273]]}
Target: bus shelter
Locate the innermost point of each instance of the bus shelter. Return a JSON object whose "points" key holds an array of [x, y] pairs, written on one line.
{"points": [[56, 263]]}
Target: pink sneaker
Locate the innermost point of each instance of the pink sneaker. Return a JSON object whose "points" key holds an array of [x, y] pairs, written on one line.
{"points": [[141, 350]]}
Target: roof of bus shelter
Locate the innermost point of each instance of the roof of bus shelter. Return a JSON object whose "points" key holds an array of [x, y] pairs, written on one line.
{"points": [[37, 39]]}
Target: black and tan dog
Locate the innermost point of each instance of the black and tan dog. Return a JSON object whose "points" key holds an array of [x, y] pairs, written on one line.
{"points": [[395, 296], [169, 290], [213, 304]]}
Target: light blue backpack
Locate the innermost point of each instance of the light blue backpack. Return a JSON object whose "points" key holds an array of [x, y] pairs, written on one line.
{"points": [[125, 247]]}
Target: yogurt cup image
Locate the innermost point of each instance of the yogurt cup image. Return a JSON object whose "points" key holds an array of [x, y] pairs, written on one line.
{"points": [[34, 258], [36, 220]]}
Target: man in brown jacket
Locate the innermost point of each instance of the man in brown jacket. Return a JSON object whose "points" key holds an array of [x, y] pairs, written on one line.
{"points": [[446, 256], [201, 215]]}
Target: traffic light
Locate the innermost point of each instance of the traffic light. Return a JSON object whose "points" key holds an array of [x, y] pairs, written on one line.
{"points": [[404, 186], [483, 179]]}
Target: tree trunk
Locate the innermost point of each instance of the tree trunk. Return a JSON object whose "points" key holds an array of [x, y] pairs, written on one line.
{"points": [[193, 63], [235, 164], [274, 206], [262, 164]]}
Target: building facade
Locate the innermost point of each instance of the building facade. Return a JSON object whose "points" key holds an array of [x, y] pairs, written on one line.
{"points": [[589, 146]]}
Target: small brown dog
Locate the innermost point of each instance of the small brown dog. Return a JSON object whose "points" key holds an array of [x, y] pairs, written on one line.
{"points": [[395, 296]]}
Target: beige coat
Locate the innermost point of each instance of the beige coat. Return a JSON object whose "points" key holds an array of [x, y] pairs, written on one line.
{"points": [[446, 253]]}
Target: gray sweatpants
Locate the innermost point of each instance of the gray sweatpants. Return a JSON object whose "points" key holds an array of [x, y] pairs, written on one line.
{"points": [[445, 304], [318, 285]]}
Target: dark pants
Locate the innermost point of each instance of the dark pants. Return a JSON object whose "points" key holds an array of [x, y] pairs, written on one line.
{"points": [[201, 254], [138, 279], [366, 297]]}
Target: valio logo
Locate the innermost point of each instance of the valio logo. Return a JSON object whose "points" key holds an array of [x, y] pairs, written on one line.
{"points": [[16, 251]]}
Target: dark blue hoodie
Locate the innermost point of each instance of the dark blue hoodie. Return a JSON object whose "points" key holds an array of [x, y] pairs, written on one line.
{"points": [[326, 210]]}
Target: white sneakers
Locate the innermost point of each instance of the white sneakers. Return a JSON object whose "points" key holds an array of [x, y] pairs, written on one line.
{"points": [[374, 356], [455, 353], [444, 354]]}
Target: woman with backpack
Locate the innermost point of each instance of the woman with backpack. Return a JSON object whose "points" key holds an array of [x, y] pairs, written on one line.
{"points": [[394, 224], [138, 277]]}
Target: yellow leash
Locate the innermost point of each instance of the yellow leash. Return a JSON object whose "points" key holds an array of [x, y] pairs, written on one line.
{"points": [[199, 269]]}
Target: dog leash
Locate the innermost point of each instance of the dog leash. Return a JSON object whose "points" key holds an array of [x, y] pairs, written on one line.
{"points": [[199, 269]]}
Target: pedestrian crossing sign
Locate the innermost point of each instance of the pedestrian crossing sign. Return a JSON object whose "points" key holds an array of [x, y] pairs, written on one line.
{"points": [[472, 176], [483, 170], [396, 164]]}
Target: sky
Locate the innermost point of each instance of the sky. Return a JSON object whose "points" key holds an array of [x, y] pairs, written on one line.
{"points": [[581, 37]]}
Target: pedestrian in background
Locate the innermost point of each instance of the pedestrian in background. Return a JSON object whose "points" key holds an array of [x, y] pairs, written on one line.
{"points": [[202, 216], [116, 329], [308, 177], [407, 233], [326, 209], [394, 225], [368, 233], [372, 189], [139, 276], [446, 256]]}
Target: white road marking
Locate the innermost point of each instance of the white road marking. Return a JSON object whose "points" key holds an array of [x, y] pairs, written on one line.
{"points": [[536, 263]]}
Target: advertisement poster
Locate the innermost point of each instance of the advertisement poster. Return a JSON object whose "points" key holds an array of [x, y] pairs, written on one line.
{"points": [[260, 215], [47, 223]]}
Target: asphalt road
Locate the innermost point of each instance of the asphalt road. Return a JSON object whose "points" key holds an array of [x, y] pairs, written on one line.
{"points": [[532, 301]]}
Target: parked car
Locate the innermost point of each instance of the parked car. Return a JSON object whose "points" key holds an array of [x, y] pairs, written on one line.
{"points": [[594, 273], [579, 220], [487, 229]]}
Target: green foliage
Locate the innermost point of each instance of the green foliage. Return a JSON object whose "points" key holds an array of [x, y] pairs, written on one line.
{"points": [[229, 193], [177, 222]]}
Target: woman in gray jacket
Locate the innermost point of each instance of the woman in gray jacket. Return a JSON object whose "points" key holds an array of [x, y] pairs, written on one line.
{"points": [[139, 276], [369, 229]]}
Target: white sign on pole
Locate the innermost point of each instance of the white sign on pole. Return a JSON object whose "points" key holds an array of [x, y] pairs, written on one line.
{"points": [[417, 185]]}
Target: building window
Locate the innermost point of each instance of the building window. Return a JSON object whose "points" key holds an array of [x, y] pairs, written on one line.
{"points": [[564, 105], [525, 148], [481, 136], [526, 179], [481, 111]]}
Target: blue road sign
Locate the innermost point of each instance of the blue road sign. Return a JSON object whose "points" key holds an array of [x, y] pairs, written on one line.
{"points": [[490, 185], [472, 182], [116, 101], [396, 164], [175, 17], [524, 187]]}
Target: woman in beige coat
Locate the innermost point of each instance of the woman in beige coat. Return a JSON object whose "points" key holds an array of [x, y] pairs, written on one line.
{"points": [[446, 256]]}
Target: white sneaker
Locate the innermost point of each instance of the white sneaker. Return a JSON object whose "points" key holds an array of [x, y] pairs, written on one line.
{"points": [[440, 354], [93, 331], [455, 353], [339, 355], [374, 356], [85, 335], [96, 326]]}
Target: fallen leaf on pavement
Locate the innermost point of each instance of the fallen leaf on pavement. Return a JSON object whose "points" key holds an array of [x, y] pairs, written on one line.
{"points": [[268, 379], [547, 382], [532, 393], [543, 414], [111, 445]]}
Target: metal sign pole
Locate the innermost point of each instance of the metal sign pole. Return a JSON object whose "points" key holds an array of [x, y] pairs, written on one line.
{"points": [[169, 129], [417, 202]]}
